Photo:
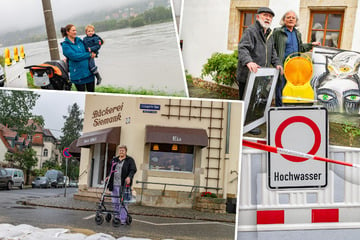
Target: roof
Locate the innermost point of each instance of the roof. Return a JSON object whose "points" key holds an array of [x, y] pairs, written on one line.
{"points": [[48, 133], [38, 128], [7, 132], [5, 142]]}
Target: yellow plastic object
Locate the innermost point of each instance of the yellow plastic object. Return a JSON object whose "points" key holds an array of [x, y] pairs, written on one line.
{"points": [[22, 52], [298, 71], [7, 57], [16, 54]]}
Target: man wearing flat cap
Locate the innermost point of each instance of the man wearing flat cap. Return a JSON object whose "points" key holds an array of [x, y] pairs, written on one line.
{"points": [[256, 48]]}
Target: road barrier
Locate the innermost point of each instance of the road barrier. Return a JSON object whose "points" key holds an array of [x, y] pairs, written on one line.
{"points": [[335, 206]]}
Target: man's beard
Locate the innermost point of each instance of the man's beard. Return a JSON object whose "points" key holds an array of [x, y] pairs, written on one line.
{"points": [[264, 24]]}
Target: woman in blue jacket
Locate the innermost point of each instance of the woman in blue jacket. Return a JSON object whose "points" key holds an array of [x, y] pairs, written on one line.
{"points": [[78, 59]]}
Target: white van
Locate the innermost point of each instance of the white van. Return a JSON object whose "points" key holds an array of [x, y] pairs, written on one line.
{"points": [[17, 177]]}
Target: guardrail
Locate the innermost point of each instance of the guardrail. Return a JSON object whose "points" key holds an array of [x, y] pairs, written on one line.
{"points": [[193, 187]]}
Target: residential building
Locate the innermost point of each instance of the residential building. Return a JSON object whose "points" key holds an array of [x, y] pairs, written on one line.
{"points": [[11, 142], [210, 26], [44, 143]]}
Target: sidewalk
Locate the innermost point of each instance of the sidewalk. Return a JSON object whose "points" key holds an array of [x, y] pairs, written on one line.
{"points": [[69, 202]]}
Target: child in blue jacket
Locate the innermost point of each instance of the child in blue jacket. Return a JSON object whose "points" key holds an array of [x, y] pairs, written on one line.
{"points": [[93, 43]]}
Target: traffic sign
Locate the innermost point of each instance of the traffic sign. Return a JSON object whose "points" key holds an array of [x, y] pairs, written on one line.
{"points": [[66, 153], [304, 130]]}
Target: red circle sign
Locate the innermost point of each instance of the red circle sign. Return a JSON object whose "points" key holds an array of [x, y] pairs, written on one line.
{"points": [[306, 121], [66, 153]]}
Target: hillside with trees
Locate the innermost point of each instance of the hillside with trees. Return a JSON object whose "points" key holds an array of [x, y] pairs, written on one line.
{"points": [[134, 15]]}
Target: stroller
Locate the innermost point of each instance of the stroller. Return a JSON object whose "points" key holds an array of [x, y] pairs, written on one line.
{"points": [[2, 77], [125, 197], [51, 75]]}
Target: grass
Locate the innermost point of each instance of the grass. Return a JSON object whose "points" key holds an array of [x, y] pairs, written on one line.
{"points": [[140, 91], [117, 90]]}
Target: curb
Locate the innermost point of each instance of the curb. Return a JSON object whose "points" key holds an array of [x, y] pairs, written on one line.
{"points": [[131, 212]]}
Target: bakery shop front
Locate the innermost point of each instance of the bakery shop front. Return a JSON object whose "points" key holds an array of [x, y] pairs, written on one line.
{"points": [[181, 146]]}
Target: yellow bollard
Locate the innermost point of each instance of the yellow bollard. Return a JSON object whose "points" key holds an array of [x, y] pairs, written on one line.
{"points": [[7, 57], [16, 54], [22, 52]]}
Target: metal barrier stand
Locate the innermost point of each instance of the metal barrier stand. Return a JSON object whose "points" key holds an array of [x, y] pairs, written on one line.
{"points": [[193, 187]]}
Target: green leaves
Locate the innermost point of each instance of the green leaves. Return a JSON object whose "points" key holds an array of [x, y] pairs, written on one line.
{"points": [[352, 130], [15, 109], [221, 67]]}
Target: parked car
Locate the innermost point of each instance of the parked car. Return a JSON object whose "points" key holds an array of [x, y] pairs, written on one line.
{"points": [[66, 181], [5, 179], [56, 178], [17, 177], [73, 183], [41, 182]]}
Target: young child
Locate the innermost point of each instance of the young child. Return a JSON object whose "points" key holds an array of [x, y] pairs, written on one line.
{"points": [[93, 42]]}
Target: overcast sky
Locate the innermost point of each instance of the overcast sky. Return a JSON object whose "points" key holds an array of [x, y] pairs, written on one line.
{"points": [[20, 14], [54, 105]]}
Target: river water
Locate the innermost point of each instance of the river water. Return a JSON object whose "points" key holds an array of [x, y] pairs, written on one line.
{"points": [[147, 57]]}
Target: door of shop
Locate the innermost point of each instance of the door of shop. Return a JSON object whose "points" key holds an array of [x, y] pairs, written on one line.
{"points": [[103, 153]]}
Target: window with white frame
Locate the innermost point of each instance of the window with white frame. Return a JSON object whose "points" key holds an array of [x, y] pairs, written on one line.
{"points": [[46, 152]]}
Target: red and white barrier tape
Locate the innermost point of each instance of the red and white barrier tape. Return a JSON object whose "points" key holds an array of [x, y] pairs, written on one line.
{"points": [[278, 150]]}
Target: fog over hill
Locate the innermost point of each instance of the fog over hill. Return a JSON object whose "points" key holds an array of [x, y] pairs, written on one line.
{"points": [[24, 20]]}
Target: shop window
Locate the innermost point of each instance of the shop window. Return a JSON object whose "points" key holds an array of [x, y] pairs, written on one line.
{"points": [[247, 18], [326, 28], [171, 157], [45, 152]]}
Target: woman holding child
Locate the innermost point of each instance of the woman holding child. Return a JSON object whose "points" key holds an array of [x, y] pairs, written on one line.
{"points": [[78, 59]]}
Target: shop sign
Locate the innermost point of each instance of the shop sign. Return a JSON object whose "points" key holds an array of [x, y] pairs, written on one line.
{"points": [[107, 115]]}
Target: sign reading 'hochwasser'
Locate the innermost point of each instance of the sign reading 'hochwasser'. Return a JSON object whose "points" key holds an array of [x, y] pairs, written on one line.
{"points": [[301, 130]]}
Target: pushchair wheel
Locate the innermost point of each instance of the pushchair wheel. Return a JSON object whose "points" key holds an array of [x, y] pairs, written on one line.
{"points": [[108, 217], [128, 220], [99, 219], [116, 222]]}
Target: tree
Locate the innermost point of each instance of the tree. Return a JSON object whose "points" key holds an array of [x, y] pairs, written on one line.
{"points": [[15, 109], [51, 164], [39, 120], [25, 159], [72, 127]]}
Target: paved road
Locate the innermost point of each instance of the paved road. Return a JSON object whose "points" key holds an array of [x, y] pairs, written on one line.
{"points": [[83, 221]]}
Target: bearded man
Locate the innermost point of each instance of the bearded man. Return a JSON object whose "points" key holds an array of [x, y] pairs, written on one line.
{"points": [[256, 49]]}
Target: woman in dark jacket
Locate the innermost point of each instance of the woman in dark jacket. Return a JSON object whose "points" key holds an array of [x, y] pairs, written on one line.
{"points": [[78, 59], [287, 40], [123, 169]]}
